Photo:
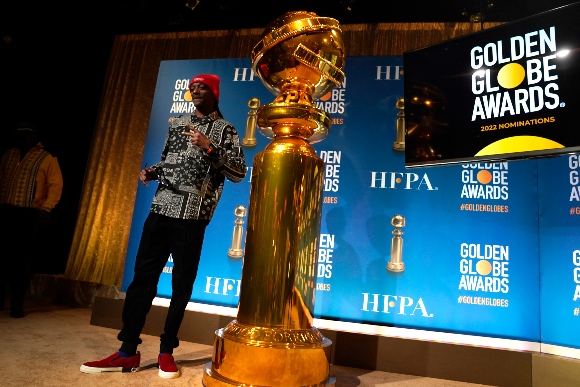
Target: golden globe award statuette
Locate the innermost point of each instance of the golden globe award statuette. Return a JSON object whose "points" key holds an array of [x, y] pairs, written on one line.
{"points": [[399, 143], [396, 263], [250, 136], [236, 250], [272, 342]]}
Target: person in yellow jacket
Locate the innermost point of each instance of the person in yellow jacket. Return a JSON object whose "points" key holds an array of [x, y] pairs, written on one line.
{"points": [[30, 187]]}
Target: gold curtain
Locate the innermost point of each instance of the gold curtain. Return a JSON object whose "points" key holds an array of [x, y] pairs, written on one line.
{"points": [[105, 212]]}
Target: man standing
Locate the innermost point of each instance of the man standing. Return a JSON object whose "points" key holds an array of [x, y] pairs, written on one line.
{"points": [[201, 150], [30, 187]]}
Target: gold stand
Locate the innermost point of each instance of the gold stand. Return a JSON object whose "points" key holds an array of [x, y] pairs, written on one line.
{"points": [[272, 342]]}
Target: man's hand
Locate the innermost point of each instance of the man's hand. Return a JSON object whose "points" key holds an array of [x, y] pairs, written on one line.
{"points": [[197, 138], [147, 174]]}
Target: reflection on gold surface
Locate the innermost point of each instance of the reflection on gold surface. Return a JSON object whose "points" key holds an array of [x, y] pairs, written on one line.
{"points": [[282, 237], [272, 342]]}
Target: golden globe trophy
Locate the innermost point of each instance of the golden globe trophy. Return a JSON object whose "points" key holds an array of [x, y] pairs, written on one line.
{"points": [[396, 263], [236, 250], [250, 138], [272, 342], [399, 143]]}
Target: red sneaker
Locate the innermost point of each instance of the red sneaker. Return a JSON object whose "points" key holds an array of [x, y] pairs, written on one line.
{"points": [[167, 367], [113, 363]]}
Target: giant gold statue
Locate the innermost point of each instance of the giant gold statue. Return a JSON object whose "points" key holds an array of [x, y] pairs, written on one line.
{"points": [[273, 342]]}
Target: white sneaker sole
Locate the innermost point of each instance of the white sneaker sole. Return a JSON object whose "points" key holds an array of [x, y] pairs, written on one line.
{"points": [[169, 375], [98, 370]]}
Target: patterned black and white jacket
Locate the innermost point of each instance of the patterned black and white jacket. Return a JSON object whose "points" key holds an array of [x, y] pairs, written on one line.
{"points": [[191, 180]]}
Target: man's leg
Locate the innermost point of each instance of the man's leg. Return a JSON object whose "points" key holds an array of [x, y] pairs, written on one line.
{"points": [[186, 244], [7, 250], [152, 256], [24, 238]]}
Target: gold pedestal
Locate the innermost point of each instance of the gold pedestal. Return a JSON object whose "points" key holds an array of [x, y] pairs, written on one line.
{"points": [[272, 342], [268, 357]]}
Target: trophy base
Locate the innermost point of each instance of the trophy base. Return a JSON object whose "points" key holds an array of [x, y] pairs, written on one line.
{"points": [[249, 142], [396, 266], [400, 146], [235, 253], [244, 355]]}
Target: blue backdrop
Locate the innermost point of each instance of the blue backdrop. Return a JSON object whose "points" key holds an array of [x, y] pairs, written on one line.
{"points": [[475, 235]]}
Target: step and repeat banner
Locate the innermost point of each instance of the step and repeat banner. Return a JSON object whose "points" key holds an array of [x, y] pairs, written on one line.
{"points": [[458, 249], [559, 217]]}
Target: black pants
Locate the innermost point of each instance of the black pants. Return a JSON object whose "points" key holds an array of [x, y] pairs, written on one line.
{"points": [[19, 236], [161, 237]]}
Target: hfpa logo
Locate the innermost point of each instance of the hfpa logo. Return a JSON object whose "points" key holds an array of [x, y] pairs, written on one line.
{"points": [[223, 286], [406, 180], [385, 303]]}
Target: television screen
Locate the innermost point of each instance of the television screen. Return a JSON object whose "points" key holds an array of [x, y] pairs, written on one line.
{"points": [[508, 92]]}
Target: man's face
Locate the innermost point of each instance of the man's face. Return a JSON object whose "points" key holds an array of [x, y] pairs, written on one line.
{"points": [[202, 97], [25, 139]]}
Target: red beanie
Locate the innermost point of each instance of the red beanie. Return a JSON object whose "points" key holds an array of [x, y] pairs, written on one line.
{"points": [[211, 80]]}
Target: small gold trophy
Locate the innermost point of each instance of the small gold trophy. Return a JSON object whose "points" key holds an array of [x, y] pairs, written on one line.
{"points": [[396, 263], [250, 136], [399, 143], [236, 250], [272, 342]]}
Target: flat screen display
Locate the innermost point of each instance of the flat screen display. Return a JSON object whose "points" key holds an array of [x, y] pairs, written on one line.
{"points": [[508, 92]]}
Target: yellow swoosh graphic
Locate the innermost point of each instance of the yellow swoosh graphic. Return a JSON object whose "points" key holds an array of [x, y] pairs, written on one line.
{"points": [[518, 144]]}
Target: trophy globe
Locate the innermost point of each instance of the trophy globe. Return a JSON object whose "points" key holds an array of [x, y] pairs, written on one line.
{"points": [[299, 58]]}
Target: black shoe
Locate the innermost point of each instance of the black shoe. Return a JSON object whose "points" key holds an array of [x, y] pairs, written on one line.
{"points": [[17, 313]]}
